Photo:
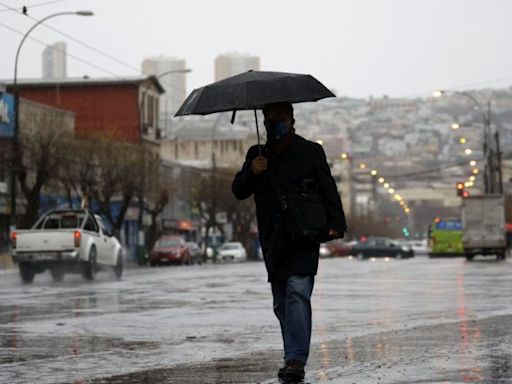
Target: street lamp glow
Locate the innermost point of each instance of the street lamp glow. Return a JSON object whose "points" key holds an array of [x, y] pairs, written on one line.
{"points": [[381, 180], [463, 140], [407, 210], [320, 142], [468, 151], [402, 203], [386, 185], [362, 165], [373, 172], [455, 126], [472, 163], [344, 156], [398, 197], [475, 171], [472, 178], [391, 190], [437, 93]]}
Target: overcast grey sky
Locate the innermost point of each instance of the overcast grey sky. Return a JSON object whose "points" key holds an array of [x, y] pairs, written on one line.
{"points": [[357, 47]]}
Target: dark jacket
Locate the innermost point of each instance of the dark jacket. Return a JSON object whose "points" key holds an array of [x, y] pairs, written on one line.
{"points": [[302, 159]]}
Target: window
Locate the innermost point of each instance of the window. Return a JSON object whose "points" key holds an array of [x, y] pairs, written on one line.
{"points": [[150, 111], [69, 221], [91, 225], [51, 223]]}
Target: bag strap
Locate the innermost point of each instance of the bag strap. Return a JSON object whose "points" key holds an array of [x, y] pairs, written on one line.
{"points": [[280, 195]]}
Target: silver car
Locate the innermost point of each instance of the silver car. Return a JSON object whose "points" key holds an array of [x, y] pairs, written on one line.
{"points": [[231, 252]]}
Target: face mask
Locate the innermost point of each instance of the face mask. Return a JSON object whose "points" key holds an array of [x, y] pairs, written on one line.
{"points": [[277, 130]]}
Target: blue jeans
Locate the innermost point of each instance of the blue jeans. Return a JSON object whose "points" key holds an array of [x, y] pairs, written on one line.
{"points": [[292, 306]]}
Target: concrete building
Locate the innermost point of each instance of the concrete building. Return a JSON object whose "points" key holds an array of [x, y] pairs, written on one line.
{"points": [[196, 143], [230, 64], [174, 84], [54, 61]]}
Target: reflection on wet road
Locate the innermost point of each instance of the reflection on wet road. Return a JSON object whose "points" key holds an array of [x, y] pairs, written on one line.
{"points": [[406, 321]]}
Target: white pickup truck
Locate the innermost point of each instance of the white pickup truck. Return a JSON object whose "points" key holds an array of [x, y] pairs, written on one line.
{"points": [[66, 241]]}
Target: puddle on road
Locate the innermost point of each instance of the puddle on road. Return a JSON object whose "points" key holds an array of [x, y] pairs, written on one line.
{"points": [[82, 305], [455, 352], [19, 348], [253, 368]]}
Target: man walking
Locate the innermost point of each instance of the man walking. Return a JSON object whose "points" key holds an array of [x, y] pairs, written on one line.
{"points": [[287, 160]]}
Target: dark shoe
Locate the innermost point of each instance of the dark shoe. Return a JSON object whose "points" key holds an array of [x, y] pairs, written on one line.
{"points": [[294, 371], [282, 371]]}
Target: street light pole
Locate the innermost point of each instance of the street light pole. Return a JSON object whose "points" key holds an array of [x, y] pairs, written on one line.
{"points": [[16, 154], [489, 169]]}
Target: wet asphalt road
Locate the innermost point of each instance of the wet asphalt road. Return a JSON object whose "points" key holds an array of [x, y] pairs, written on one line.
{"points": [[396, 321]]}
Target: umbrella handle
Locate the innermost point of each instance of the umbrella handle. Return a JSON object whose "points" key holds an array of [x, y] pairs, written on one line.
{"points": [[257, 131]]}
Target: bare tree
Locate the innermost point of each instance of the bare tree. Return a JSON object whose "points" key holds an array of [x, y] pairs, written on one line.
{"points": [[106, 170], [157, 190], [205, 199], [211, 195], [242, 216], [78, 173], [38, 154]]}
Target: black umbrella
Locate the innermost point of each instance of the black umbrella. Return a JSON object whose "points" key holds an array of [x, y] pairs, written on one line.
{"points": [[252, 90]]}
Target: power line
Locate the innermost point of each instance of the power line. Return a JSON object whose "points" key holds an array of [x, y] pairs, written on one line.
{"points": [[81, 42], [33, 5], [67, 54]]}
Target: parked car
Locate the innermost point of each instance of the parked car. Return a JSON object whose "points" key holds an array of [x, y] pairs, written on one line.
{"points": [[260, 254], [66, 241], [420, 247], [339, 247], [170, 250], [195, 252], [232, 251], [324, 251], [381, 247]]}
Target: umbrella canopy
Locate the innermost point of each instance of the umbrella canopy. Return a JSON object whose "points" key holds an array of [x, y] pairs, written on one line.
{"points": [[252, 90]]}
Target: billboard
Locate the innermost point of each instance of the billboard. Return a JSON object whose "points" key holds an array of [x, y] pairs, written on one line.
{"points": [[6, 115]]}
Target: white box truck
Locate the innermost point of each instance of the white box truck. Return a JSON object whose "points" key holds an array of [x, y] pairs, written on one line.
{"points": [[483, 223]]}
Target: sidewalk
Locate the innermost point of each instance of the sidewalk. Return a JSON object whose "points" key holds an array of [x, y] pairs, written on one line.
{"points": [[6, 264]]}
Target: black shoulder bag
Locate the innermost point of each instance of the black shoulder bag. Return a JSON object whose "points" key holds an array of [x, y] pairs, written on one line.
{"points": [[304, 211]]}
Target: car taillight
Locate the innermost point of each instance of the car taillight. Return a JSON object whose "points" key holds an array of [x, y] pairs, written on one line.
{"points": [[78, 238], [14, 236]]}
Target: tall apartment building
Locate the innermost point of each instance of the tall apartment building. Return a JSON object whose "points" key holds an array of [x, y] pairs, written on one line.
{"points": [[54, 61], [230, 64], [174, 84]]}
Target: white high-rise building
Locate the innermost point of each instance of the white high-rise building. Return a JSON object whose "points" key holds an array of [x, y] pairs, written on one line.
{"points": [[54, 61], [174, 83], [230, 64]]}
